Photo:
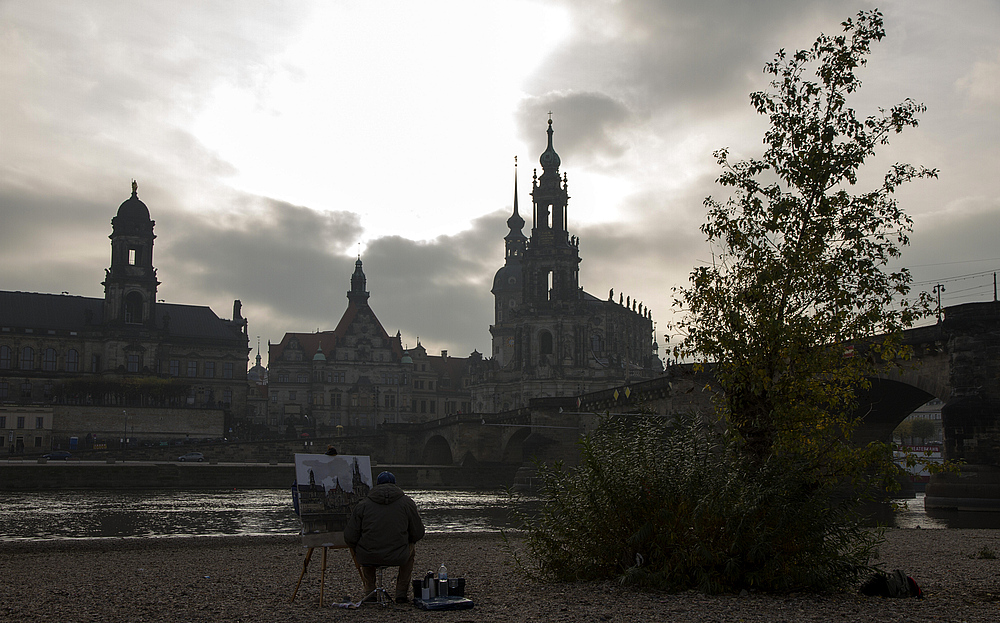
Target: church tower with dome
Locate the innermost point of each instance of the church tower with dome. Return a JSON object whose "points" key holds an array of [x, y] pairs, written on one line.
{"points": [[130, 284], [550, 337]]}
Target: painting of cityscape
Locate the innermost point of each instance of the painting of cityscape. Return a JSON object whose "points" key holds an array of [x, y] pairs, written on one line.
{"points": [[328, 487]]}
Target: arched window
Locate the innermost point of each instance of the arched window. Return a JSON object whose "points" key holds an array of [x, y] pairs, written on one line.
{"points": [[27, 358], [545, 343], [133, 308], [49, 360], [5, 357], [72, 361]]}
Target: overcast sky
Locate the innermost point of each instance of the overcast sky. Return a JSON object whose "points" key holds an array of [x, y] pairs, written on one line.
{"points": [[274, 141]]}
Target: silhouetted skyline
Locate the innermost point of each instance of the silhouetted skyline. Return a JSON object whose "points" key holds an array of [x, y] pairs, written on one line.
{"points": [[274, 142]]}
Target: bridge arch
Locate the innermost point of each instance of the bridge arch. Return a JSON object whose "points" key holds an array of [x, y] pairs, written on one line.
{"points": [[884, 405], [513, 449], [437, 451]]}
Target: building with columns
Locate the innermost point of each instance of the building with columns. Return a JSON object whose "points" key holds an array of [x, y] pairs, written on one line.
{"points": [[125, 366], [550, 337]]}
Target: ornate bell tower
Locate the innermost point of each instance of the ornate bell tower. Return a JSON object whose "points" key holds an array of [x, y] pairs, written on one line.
{"points": [[552, 259], [130, 284], [550, 338]]}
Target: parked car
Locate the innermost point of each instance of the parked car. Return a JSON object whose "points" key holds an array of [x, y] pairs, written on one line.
{"points": [[58, 455], [191, 456]]}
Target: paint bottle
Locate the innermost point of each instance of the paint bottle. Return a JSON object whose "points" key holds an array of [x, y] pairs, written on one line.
{"points": [[429, 586]]}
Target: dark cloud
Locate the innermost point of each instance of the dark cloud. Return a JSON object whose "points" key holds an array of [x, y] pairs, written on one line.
{"points": [[438, 290], [286, 260], [291, 267], [956, 248], [52, 243], [654, 54], [588, 125], [645, 254]]}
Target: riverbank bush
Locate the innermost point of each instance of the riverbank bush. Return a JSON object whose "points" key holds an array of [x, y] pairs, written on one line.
{"points": [[671, 504]]}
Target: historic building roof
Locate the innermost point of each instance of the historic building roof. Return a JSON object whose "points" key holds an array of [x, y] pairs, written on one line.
{"points": [[61, 312]]}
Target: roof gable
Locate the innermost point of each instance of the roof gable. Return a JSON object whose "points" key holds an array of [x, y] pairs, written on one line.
{"points": [[327, 341]]}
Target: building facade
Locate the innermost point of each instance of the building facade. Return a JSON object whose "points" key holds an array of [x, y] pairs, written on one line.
{"points": [[118, 357], [25, 428], [550, 338], [358, 376]]}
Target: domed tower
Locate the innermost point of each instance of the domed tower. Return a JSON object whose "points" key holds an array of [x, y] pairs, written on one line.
{"points": [[257, 375], [130, 283], [552, 260], [507, 285]]}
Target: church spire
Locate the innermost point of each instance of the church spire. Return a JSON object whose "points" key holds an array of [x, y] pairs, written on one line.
{"points": [[515, 240], [515, 221]]}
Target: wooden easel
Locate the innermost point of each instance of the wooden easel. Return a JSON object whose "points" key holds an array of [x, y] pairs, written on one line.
{"points": [[322, 573]]}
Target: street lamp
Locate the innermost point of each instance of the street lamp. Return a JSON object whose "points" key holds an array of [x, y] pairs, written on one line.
{"points": [[125, 437], [938, 289]]}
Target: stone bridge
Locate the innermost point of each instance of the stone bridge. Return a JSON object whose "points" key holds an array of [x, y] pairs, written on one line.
{"points": [[547, 430], [956, 361]]}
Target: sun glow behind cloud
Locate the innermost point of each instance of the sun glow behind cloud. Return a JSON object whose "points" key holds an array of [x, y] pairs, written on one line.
{"points": [[407, 114]]}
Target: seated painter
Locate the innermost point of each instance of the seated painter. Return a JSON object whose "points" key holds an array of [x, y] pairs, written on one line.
{"points": [[382, 531]]}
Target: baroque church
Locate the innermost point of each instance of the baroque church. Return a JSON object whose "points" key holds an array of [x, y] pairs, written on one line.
{"points": [[550, 337], [126, 367]]}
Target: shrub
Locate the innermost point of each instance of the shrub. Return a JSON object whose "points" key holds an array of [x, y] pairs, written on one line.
{"points": [[669, 504]]}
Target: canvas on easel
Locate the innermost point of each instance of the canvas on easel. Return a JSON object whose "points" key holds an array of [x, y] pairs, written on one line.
{"points": [[328, 488]]}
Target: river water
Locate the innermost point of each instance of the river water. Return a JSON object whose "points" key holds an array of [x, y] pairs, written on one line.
{"points": [[41, 516]]}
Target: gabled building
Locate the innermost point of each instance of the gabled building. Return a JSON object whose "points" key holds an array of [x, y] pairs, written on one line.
{"points": [[358, 376], [550, 338], [126, 365]]}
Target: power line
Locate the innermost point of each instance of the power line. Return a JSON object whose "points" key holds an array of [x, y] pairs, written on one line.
{"points": [[972, 289], [955, 278], [992, 259]]}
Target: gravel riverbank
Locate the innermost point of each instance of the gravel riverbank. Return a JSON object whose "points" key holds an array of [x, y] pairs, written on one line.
{"points": [[251, 580]]}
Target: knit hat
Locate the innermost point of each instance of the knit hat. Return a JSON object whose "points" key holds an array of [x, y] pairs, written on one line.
{"points": [[385, 477]]}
